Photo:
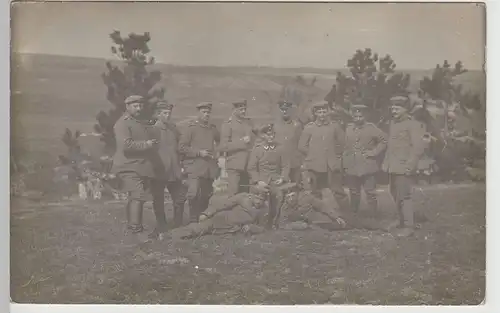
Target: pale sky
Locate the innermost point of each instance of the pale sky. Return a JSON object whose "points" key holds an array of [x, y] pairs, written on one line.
{"points": [[323, 35]]}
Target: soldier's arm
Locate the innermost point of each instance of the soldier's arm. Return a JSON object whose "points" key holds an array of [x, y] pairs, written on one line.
{"points": [[381, 139], [124, 139], [417, 144], [230, 203], [253, 165], [325, 207], [339, 140], [185, 143], [305, 137], [285, 165], [217, 135], [226, 143]]}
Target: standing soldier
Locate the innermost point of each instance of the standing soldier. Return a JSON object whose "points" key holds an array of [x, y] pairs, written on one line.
{"points": [[404, 149], [322, 143], [236, 142], [288, 133], [197, 144], [168, 170], [269, 165], [364, 144], [134, 159]]}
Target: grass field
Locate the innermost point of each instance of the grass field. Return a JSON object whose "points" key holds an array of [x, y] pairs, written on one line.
{"points": [[77, 253]]}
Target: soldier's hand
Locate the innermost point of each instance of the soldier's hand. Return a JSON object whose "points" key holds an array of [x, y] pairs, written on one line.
{"points": [[202, 217], [151, 142], [205, 153], [246, 139], [279, 181], [341, 222]]}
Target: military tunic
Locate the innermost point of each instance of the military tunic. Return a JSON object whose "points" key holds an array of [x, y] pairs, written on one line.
{"points": [[237, 151], [364, 145], [201, 171], [404, 149], [231, 217], [322, 145], [288, 136], [168, 173], [134, 159]]}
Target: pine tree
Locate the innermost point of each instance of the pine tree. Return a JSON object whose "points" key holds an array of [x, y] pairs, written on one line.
{"points": [[371, 81], [133, 79]]}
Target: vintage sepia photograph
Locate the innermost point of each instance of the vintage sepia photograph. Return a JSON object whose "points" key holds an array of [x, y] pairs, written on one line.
{"points": [[248, 153]]}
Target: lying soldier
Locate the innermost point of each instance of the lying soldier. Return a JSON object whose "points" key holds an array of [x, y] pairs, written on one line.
{"points": [[302, 209], [242, 212]]}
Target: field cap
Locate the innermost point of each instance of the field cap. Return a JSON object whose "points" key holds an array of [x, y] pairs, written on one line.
{"points": [[266, 129], [260, 189], [240, 103], [164, 105], [134, 99], [358, 108], [284, 104], [401, 101], [320, 105], [204, 105]]}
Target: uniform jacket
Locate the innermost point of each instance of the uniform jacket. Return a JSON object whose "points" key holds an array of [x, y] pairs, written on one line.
{"points": [[195, 137], [235, 212], [169, 168], [231, 143], [363, 146], [288, 136], [322, 146], [307, 203], [268, 163], [405, 146], [132, 152]]}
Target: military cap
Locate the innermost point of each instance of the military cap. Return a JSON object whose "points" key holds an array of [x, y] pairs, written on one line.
{"points": [[240, 103], [320, 105], [402, 101], [134, 99], [207, 105], [284, 104], [163, 105], [268, 128], [358, 108], [260, 189]]}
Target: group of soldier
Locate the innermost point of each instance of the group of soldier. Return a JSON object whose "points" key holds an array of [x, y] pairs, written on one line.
{"points": [[277, 173]]}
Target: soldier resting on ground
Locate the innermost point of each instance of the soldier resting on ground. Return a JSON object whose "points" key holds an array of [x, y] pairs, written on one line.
{"points": [[242, 212]]}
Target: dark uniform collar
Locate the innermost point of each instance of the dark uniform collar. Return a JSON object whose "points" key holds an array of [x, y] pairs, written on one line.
{"points": [[269, 146], [127, 116], [202, 124], [317, 122]]}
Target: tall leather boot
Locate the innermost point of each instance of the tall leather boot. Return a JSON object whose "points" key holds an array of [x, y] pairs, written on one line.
{"points": [[355, 200], [178, 215], [161, 220], [135, 216], [408, 218], [371, 201], [194, 213]]}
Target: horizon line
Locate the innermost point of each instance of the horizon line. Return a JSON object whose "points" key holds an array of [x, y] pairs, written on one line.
{"points": [[227, 66]]}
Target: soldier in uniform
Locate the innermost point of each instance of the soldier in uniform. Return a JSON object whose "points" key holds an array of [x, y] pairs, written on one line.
{"points": [[197, 144], [134, 158], [268, 164], [288, 133], [322, 143], [404, 149], [236, 142], [168, 170], [364, 144], [239, 213]]}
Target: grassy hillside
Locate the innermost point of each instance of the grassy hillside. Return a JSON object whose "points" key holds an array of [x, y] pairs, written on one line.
{"points": [[50, 93]]}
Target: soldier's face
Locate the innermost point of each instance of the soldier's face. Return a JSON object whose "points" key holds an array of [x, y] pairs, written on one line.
{"points": [[358, 117], [285, 112], [164, 115], [397, 111], [268, 137], [135, 109], [258, 201], [204, 114], [321, 114], [291, 198], [240, 112]]}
